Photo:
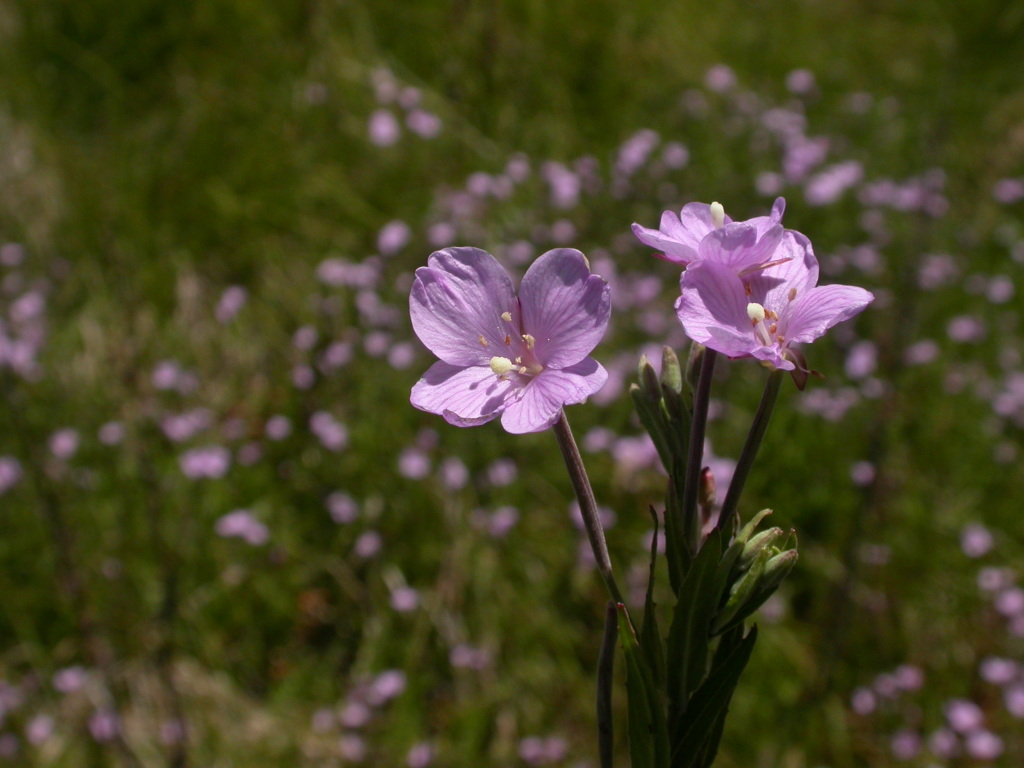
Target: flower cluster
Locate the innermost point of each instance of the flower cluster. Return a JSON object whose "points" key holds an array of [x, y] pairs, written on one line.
{"points": [[749, 289]]}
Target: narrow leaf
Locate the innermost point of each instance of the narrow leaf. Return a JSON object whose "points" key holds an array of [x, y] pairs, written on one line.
{"points": [[651, 419], [689, 635], [709, 704], [648, 731], [650, 637]]}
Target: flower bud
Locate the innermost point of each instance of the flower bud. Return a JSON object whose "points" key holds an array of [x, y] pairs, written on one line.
{"points": [[742, 592], [707, 488], [671, 374], [778, 568], [648, 379], [748, 530], [765, 540]]}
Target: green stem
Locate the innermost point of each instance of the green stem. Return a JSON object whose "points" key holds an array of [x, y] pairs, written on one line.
{"points": [[695, 454], [754, 437], [588, 505]]}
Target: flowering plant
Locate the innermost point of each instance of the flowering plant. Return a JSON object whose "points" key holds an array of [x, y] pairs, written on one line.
{"points": [[748, 290]]}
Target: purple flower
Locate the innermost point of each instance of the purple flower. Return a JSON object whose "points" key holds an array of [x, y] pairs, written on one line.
{"points": [[243, 524], [761, 313], [521, 358], [703, 231]]}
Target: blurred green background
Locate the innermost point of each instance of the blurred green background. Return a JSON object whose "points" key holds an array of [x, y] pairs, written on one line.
{"points": [[226, 539]]}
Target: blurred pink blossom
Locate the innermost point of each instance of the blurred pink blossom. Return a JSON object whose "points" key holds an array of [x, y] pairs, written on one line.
{"points": [[383, 128], [242, 524]]}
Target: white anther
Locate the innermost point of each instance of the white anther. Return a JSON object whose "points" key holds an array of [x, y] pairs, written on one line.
{"points": [[501, 365], [717, 215]]}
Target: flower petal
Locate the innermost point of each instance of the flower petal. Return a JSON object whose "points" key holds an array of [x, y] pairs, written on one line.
{"points": [[679, 236], [545, 395], [459, 298], [564, 307], [820, 308], [674, 251], [796, 270], [764, 223], [774, 356], [464, 396], [738, 246], [713, 309], [695, 223]]}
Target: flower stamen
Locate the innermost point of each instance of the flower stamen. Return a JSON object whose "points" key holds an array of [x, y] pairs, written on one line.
{"points": [[501, 365], [757, 314], [717, 215], [763, 266]]}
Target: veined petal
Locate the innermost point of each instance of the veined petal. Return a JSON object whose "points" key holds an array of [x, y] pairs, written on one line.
{"points": [[795, 270], [542, 398], [764, 223], [458, 298], [695, 220], [820, 308], [678, 237], [774, 356], [464, 396], [564, 307], [713, 309], [739, 246], [673, 250]]}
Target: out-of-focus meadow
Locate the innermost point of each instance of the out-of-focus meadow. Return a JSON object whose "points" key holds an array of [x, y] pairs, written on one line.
{"points": [[226, 539]]}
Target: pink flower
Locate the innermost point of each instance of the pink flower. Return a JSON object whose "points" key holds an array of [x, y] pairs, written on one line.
{"points": [[242, 524], [521, 358], [703, 231], [761, 313]]}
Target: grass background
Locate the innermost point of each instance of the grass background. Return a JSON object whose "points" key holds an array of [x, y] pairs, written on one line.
{"points": [[153, 154]]}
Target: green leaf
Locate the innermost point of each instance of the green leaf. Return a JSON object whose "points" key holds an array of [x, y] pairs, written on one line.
{"points": [[689, 635], [605, 670], [676, 552], [709, 706], [726, 566], [650, 637], [648, 731], [651, 419]]}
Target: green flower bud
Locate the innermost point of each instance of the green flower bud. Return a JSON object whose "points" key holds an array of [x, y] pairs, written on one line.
{"points": [[748, 530], [742, 591], [765, 540], [778, 568], [671, 374], [649, 383]]}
